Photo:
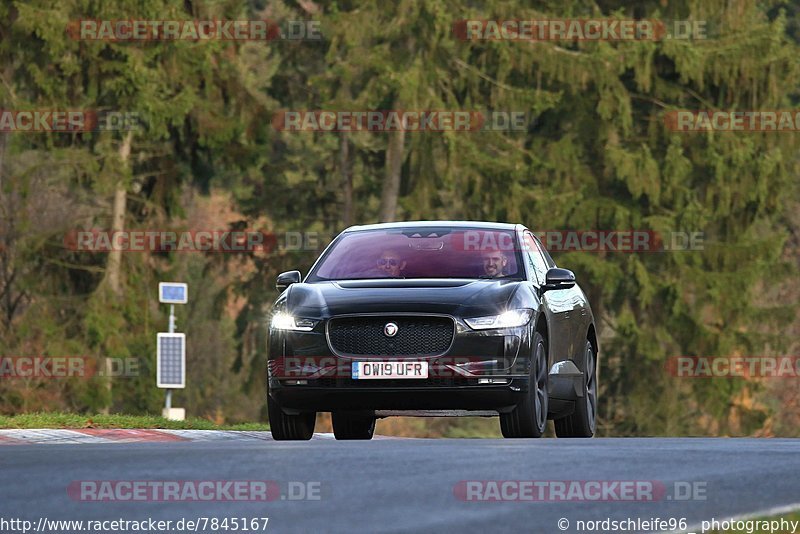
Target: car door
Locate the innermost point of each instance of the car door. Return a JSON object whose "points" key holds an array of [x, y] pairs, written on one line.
{"points": [[580, 316]]}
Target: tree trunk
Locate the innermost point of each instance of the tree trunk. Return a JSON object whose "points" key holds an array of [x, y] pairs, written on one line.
{"points": [[346, 168], [113, 266], [6, 265], [391, 183], [3, 143]]}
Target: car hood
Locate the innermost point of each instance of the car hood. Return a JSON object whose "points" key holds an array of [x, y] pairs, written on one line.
{"points": [[457, 297]]}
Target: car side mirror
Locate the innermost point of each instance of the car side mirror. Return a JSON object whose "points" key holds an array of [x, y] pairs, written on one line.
{"points": [[286, 279], [558, 279]]}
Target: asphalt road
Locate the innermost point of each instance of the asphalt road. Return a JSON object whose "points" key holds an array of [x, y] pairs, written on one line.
{"points": [[405, 485]]}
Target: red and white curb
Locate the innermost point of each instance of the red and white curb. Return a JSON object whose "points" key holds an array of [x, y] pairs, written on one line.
{"points": [[103, 435]]}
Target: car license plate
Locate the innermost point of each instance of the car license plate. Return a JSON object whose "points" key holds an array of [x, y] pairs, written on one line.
{"points": [[365, 370]]}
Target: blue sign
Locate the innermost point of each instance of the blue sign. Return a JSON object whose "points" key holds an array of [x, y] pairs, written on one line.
{"points": [[173, 293]]}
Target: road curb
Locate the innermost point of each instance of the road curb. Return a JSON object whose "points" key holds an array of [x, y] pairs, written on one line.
{"points": [[133, 435]]}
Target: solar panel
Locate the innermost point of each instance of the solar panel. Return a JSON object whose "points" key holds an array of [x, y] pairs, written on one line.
{"points": [[171, 360]]}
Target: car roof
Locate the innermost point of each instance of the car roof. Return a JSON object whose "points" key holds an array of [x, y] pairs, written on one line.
{"points": [[426, 224]]}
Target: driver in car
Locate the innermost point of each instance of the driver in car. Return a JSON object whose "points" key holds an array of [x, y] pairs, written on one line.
{"points": [[494, 263], [391, 263]]}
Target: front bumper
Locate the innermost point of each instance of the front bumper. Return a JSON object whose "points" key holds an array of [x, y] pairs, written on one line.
{"points": [[482, 370]]}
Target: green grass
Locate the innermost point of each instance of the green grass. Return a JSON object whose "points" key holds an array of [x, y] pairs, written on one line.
{"points": [[69, 420], [794, 516]]}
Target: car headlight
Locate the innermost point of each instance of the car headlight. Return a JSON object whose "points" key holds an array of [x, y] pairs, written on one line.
{"points": [[286, 321], [509, 319]]}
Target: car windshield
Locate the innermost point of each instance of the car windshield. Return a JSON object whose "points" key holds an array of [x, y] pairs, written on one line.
{"points": [[421, 253]]}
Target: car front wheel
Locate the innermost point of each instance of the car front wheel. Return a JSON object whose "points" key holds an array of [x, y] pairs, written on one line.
{"points": [[285, 427], [529, 418]]}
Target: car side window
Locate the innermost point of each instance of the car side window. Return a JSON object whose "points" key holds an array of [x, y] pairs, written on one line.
{"points": [[534, 257], [548, 260]]}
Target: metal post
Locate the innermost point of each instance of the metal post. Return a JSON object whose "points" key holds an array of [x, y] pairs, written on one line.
{"points": [[168, 399], [172, 293]]}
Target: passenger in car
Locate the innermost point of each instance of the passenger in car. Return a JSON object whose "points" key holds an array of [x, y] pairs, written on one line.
{"points": [[494, 263]]}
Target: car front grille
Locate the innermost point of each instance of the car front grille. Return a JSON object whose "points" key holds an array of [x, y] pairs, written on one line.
{"points": [[424, 335]]}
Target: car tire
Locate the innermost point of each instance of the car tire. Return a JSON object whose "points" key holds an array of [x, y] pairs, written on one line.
{"points": [[285, 427], [529, 418], [351, 426], [583, 420]]}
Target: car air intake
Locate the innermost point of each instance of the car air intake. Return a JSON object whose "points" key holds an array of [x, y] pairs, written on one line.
{"points": [[416, 335]]}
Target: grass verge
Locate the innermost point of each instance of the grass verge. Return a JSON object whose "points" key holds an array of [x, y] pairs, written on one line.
{"points": [[70, 420]]}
